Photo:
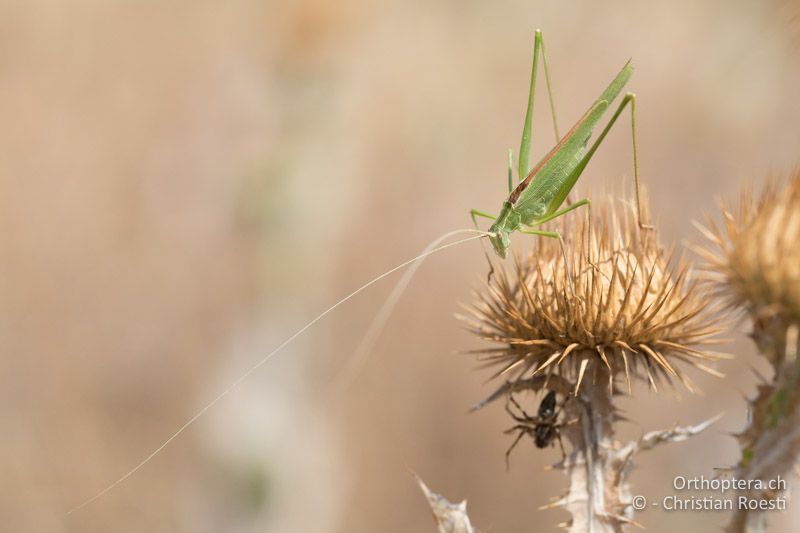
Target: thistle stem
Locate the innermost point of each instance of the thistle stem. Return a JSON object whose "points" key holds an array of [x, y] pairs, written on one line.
{"points": [[598, 497], [771, 442]]}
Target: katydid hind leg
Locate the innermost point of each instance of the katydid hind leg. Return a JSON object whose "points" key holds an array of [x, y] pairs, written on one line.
{"points": [[637, 182], [525, 164], [629, 98]]}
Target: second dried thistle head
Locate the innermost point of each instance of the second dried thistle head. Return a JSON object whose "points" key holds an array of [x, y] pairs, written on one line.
{"points": [[627, 313], [755, 262]]}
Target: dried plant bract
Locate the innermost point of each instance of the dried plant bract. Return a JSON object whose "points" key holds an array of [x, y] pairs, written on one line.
{"points": [[754, 262]]}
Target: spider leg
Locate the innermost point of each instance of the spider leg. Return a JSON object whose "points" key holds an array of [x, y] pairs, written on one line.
{"points": [[522, 431], [561, 445], [527, 417], [523, 428], [514, 415]]}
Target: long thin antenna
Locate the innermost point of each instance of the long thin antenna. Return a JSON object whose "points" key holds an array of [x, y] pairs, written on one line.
{"points": [[240, 379], [356, 361]]}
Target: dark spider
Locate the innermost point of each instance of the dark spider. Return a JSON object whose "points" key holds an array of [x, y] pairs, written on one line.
{"points": [[543, 428]]}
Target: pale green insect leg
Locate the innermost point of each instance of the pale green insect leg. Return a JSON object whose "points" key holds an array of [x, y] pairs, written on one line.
{"points": [[588, 205], [555, 235], [629, 98], [542, 233], [475, 213], [564, 211], [636, 163], [525, 144]]}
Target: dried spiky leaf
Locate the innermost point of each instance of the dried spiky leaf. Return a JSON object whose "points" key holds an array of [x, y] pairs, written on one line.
{"points": [[599, 496], [631, 312], [450, 517]]}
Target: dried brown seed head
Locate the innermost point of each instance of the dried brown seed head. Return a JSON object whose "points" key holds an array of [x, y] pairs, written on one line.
{"points": [[756, 254], [630, 313], [754, 263]]}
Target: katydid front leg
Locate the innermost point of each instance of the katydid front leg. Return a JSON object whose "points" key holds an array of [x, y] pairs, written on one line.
{"points": [[475, 213]]}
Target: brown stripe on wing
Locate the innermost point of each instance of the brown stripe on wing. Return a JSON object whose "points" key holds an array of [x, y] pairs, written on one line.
{"points": [[514, 196]]}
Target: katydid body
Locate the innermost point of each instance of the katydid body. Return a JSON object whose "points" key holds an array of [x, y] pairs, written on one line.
{"points": [[536, 199]]}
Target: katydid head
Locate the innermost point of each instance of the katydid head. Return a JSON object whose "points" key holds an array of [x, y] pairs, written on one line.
{"points": [[500, 241], [506, 222]]}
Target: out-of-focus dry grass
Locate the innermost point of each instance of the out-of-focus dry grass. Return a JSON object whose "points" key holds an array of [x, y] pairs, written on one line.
{"points": [[183, 184]]}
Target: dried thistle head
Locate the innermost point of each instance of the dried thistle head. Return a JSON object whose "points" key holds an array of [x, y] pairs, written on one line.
{"points": [[754, 264], [756, 260], [630, 314]]}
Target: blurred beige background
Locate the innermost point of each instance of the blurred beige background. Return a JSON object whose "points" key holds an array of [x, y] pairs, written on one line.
{"points": [[184, 184]]}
